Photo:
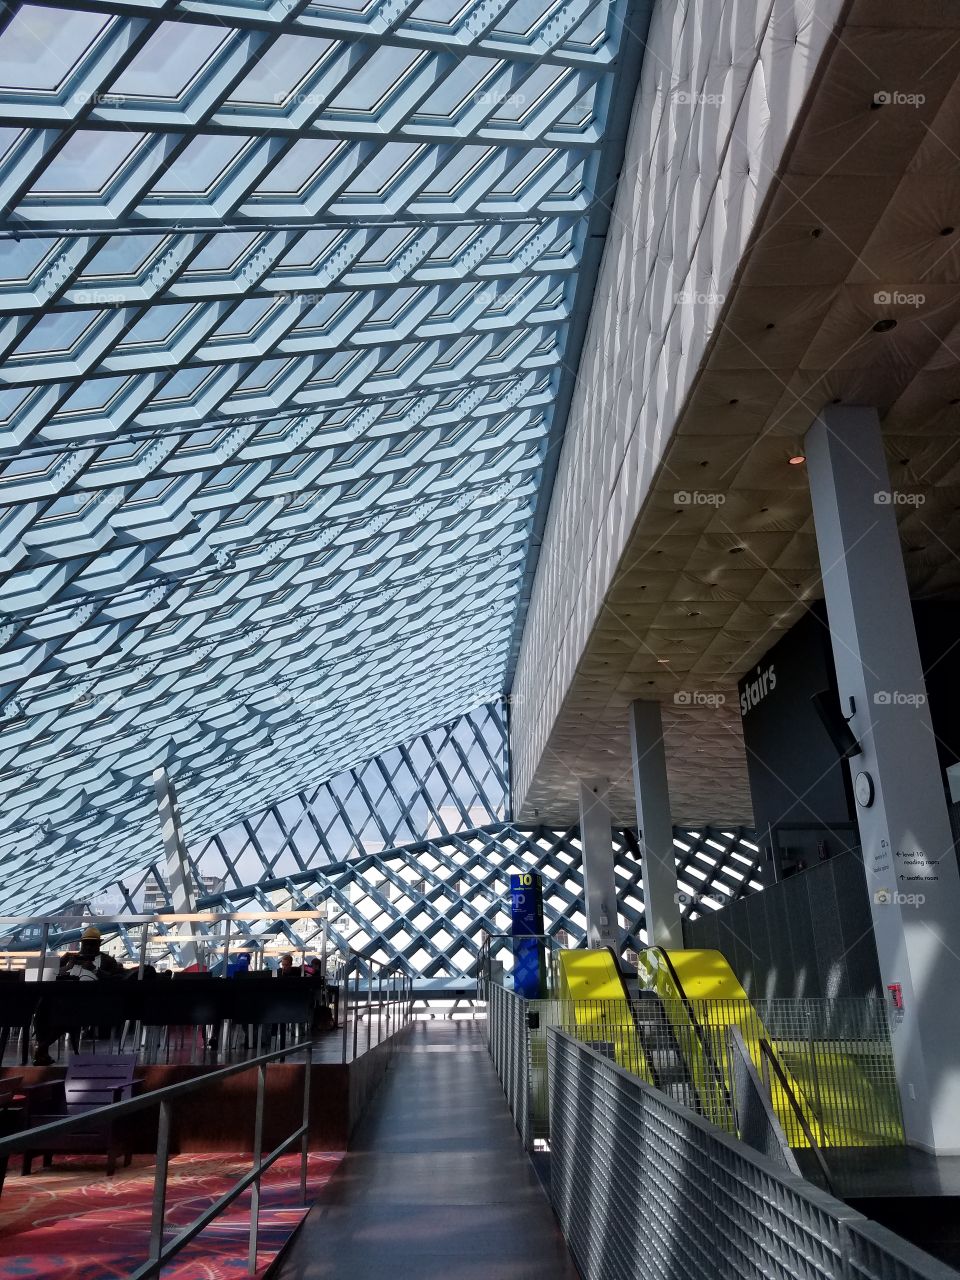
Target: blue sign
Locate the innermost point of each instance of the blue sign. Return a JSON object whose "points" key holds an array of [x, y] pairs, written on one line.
{"points": [[526, 913]]}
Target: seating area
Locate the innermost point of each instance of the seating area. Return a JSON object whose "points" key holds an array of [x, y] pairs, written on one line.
{"points": [[152, 1017]]}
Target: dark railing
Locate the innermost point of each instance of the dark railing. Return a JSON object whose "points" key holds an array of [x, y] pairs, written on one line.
{"points": [[159, 1253]]}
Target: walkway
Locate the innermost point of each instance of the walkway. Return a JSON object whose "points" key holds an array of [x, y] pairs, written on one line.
{"points": [[436, 1183]]}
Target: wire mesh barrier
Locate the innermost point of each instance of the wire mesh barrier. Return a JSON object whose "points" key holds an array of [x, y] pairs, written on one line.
{"points": [[507, 1038], [826, 1065], [644, 1187]]}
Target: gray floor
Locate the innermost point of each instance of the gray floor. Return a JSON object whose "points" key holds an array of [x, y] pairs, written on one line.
{"points": [[436, 1184]]}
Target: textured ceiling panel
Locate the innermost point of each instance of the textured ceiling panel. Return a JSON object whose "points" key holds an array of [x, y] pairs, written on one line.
{"points": [[847, 294], [290, 296]]}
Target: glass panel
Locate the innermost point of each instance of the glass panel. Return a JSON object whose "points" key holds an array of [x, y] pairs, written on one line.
{"points": [[40, 46], [170, 59], [380, 77], [278, 73], [87, 162], [197, 169]]}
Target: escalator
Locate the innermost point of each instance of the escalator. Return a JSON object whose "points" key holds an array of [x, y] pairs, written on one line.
{"points": [[630, 1028], [668, 1068]]}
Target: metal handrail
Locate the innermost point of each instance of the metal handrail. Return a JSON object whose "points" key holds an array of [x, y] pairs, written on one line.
{"points": [[392, 980], [159, 1253], [748, 1071], [768, 1056]]}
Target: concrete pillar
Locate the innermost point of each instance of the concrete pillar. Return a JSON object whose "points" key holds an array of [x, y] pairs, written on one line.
{"points": [[177, 867], [655, 823], [599, 879], [911, 867]]}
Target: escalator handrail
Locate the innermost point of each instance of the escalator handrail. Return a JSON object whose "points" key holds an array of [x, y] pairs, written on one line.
{"points": [[698, 1030]]}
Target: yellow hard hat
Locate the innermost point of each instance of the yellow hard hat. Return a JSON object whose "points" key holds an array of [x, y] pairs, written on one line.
{"points": [[91, 934]]}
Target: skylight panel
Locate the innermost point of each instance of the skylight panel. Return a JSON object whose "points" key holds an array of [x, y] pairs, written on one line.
{"points": [[281, 72], [170, 61], [88, 162], [199, 168], [40, 46], [356, 319]]}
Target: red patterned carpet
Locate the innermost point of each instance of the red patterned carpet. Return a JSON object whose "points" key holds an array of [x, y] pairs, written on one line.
{"points": [[71, 1222]]}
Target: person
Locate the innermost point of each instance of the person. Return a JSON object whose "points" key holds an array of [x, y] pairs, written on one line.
{"points": [[286, 967], [86, 965], [91, 963], [240, 966]]}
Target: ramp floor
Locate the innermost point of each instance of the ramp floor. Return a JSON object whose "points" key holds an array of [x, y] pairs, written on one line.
{"points": [[436, 1183]]}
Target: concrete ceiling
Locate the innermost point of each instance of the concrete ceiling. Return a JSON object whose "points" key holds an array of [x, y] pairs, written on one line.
{"points": [[862, 227]]}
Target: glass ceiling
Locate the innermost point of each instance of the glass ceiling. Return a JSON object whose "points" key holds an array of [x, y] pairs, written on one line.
{"points": [[291, 296]]}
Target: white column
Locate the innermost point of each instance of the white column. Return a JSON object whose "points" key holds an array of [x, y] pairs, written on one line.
{"points": [[177, 867], [655, 823], [599, 879], [911, 867]]}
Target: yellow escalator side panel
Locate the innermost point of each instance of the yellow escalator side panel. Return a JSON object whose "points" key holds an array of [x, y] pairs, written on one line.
{"points": [[589, 975], [705, 975], [591, 981]]}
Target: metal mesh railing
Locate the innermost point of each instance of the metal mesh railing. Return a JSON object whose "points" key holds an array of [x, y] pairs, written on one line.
{"points": [[507, 1037], [642, 1186], [827, 1065]]}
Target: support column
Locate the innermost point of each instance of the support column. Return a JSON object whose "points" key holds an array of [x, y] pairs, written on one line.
{"points": [[911, 868], [655, 823], [177, 867], [599, 879]]}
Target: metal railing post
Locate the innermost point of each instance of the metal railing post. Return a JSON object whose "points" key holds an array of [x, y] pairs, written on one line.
{"points": [[379, 1006], [356, 1009], [257, 1159], [345, 1003], [369, 1004], [44, 942], [305, 1141], [160, 1184]]}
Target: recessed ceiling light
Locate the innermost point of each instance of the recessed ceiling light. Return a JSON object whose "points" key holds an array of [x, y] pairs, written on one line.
{"points": [[798, 460]]}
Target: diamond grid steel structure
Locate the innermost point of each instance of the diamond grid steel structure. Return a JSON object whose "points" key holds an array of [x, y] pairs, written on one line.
{"points": [[426, 906], [292, 294], [450, 779]]}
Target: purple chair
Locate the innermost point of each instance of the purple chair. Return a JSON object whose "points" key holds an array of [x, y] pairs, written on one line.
{"points": [[92, 1080]]}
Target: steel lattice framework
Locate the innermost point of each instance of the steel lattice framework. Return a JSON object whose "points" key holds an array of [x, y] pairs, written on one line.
{"points": [[427, 905], [292, 296], [448, 780]]}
